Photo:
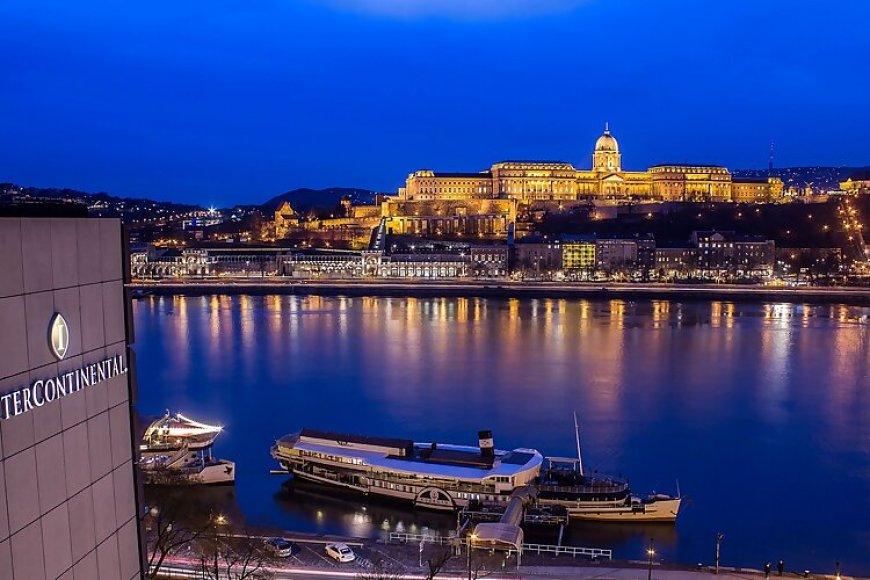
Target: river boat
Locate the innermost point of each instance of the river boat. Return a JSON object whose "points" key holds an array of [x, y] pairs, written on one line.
{"points": [[172, 432], [185, 467], [176, 450], [436, 476], [600, 497]]}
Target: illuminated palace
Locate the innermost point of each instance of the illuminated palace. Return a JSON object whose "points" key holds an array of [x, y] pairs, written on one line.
{"points": [[487, 202]]}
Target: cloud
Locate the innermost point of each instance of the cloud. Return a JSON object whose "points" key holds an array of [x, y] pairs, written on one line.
{"points": [[458, 9]]}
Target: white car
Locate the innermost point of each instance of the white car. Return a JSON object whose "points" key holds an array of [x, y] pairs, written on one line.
{"points": [[340, 552]]}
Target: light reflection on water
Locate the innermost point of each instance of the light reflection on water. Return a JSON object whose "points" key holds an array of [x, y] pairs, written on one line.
{"points": [[761, 410]]}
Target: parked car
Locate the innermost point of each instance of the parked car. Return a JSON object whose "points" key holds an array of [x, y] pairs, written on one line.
{"points": [[340, 552], [281, 547]]}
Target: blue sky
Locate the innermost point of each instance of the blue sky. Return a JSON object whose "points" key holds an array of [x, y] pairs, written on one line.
{"points": [[233, 101]]}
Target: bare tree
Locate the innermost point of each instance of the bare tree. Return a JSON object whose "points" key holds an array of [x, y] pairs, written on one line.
{"points": [[437, 561], [172, 521], [231, 554], [381, 571]]}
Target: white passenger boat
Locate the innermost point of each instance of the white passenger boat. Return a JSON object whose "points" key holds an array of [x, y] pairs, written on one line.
{"points": [[170, 433], [599, 497], [185, 467], [429, 475], [176, 450]]}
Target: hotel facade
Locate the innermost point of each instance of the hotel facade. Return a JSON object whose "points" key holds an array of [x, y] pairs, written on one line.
{"points": [[68, 491]]}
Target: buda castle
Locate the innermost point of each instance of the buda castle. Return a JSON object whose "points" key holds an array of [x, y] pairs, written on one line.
{"points": [[487, 201], [606, 181]]}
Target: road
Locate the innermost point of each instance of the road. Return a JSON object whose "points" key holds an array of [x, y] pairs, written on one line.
{"points": [[180, 570]]}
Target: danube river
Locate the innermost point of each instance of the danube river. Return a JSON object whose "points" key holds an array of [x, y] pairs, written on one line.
{"points": [[760, 411]]}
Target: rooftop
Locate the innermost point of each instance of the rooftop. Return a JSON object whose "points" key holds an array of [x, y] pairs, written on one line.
{"points": [[478, 175], [713, 165], [535, 161], [434, 460]]}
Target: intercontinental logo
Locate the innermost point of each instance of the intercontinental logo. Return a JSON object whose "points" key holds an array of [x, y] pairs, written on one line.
{"points": [[58, 336], [46, 390]]}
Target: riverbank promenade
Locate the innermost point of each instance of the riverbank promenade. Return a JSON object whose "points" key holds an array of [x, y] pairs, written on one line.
{"points": [[507, 289], [178, 569], [381, 560]]}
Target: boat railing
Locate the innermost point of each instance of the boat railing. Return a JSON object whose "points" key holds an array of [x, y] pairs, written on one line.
{"points": [[443, 484], [601, 489]]}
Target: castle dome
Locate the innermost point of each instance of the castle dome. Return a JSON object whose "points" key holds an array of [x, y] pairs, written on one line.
{"points": [[607, 142]]}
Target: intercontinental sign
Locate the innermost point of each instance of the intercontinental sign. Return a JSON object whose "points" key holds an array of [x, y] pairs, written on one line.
{"points": [[50, 389]]}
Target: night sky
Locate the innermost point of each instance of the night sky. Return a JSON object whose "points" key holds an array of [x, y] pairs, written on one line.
{"points": [[233, 101]]}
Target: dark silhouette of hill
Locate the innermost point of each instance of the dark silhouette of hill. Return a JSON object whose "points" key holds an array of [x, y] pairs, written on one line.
{"points": [[819, 178], [306, 198], [99, 204], [792, 225]]}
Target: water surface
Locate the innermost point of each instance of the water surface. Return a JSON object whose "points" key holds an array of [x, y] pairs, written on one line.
{"points": [[761, 411]]}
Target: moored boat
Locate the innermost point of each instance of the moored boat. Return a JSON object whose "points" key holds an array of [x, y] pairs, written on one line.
{"points": [[429, 475], [185, 467], [176, 450], [171, 433], [600, 497]]}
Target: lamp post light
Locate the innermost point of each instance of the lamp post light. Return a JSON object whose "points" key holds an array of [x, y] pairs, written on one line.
{"points": [[471, 539], [219, 520], [650, 553], [149, 522]]}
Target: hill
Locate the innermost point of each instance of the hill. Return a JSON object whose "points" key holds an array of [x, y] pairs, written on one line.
{"points": [[792, 225], [98, 204], [819, 178], [307, 198]]}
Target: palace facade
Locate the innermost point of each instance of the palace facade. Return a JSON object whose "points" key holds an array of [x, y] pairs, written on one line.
{"points": [[606, 181], [487, 204]]}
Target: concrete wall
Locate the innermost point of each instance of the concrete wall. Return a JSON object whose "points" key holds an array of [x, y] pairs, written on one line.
{"points": [[67, 489]]}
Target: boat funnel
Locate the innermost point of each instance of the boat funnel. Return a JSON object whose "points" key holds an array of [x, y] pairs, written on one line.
{"points": [[484, 439]]}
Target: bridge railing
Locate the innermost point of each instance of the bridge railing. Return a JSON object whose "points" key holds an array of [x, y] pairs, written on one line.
{"points": [[417, 538], [574, 551]]}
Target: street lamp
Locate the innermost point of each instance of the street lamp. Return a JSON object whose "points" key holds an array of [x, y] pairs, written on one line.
{"points": [[218, 520], [719, 537], [471, 538], [650, 553]]}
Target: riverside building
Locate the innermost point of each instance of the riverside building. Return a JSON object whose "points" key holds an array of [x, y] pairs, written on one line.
{"points": [[68, 491]]}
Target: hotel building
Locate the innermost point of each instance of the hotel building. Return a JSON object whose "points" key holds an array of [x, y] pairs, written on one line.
{"points": [[68, 492]]}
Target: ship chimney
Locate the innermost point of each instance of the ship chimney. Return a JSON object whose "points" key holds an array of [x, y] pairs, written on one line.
{"points": [[484, 439]]}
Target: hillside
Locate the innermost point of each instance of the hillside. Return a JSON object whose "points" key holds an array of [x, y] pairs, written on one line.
{"points": [[794, 225], [819, 178], [98, 204], [307, 198]]}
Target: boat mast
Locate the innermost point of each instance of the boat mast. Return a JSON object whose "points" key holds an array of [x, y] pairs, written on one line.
{"points": [[577, 437]]}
